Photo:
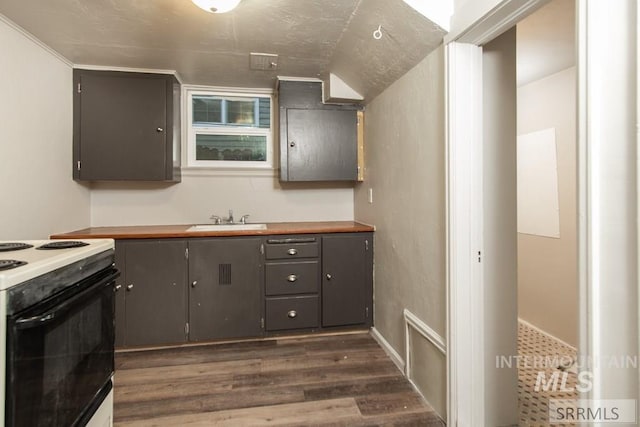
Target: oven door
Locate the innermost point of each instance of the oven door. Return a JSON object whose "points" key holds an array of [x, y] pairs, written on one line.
{"points": [[60, 354]]}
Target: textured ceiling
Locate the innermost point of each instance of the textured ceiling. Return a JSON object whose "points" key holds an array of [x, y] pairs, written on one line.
{"points": [[546, 41], [311, 37]]}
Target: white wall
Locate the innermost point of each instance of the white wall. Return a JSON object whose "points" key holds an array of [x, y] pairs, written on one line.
{"points": [[547, 267], [405, 168], [196, 198], [39, 196]]}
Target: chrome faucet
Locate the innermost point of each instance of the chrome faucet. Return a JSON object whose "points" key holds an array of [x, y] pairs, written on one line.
{"points": [[230, 219]]}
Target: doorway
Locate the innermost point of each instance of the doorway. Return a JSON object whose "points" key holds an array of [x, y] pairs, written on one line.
{"points": [[547, 210], [607, 210]]}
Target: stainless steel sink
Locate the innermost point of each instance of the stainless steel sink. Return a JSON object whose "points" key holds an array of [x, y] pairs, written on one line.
{"points": [[227, 227]]}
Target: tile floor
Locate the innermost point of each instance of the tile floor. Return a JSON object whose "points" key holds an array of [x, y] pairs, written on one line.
{"points": [[541, 353]]}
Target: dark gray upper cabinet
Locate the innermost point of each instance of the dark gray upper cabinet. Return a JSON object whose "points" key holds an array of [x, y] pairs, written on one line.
{"points": [[155, 292], [318, 142], [176, 290], [347, 268], [225, 298], [126, 126]]}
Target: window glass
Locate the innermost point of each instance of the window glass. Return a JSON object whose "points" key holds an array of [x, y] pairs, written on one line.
{"points": [[207, 110], [241, 112], [229, 130], [248, 148], [264, 113]]}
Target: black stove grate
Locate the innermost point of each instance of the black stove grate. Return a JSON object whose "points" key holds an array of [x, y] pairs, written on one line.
{"points": [[7, 264], [14, 246], [64, 244]]}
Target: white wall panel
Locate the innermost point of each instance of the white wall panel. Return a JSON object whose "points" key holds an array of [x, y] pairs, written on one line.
{"points": [[39, 196]]}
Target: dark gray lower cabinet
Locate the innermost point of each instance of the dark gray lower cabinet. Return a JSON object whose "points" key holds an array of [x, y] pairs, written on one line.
{"points": [[292, 282], [155, 292], [292, 312], [319, 281], [225, 299], [347, 268], [176, 290], [120, 294], [286, 278]]}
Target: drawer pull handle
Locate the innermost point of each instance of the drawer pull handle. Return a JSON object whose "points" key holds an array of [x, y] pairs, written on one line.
{"points": [[194, 283], [292, 314], [130, 287], [292, 251], [117, 288], [329, 277], [292, 278]]}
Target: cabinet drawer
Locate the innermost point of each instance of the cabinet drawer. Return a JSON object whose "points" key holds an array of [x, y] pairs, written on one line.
{"points": [[285, 278], [292, 313], [292, 250]]}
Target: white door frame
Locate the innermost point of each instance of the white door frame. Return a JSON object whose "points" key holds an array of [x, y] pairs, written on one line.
{"points": [[608, 193], [465, 288], [465, 335]]}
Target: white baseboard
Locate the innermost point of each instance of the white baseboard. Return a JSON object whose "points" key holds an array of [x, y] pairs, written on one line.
{"points": [[391, 352]]}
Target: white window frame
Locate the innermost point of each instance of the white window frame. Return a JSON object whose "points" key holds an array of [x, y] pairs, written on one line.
{"points": [[192, 131]]}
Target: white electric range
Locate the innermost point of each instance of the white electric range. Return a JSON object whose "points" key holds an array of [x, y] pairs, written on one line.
{"points": [[57, 332]]}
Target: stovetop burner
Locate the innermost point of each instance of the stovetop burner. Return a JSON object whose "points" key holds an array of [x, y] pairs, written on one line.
{"points": [[65, 244], [14, 246], [7, 264]]}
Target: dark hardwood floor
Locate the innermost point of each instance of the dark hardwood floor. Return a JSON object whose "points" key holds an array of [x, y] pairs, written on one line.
{"points": [[338, 380]]}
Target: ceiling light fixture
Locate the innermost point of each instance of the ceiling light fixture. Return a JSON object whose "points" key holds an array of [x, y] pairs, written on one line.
{"points": [[216, 6]]}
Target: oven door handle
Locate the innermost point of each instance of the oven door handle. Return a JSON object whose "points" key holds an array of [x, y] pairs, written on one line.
{"points": [[55, 312]]}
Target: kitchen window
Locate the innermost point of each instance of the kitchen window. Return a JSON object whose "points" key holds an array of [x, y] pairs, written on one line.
{"points": [[229, 130]]}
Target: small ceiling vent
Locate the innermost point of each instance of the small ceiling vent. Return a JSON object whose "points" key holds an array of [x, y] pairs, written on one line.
{"points": [[263, 61]]}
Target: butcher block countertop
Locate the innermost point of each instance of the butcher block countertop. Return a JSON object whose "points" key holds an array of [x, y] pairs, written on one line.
{"points": [[180, 231]]}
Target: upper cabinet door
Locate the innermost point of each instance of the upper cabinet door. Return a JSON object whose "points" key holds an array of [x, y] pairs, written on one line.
{"points": [[123, 127], [322, 145], [318, 141]]}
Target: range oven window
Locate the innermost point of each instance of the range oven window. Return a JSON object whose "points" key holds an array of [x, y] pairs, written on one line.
{"points": [[60, 354]]}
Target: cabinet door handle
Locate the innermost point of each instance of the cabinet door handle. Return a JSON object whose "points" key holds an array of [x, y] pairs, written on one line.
{"points": [[159, 130], [194, 283], [117, 287], [292, 314], [292, 251], [292, 144], [329, 277], [129, 287], [292, 278]]}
